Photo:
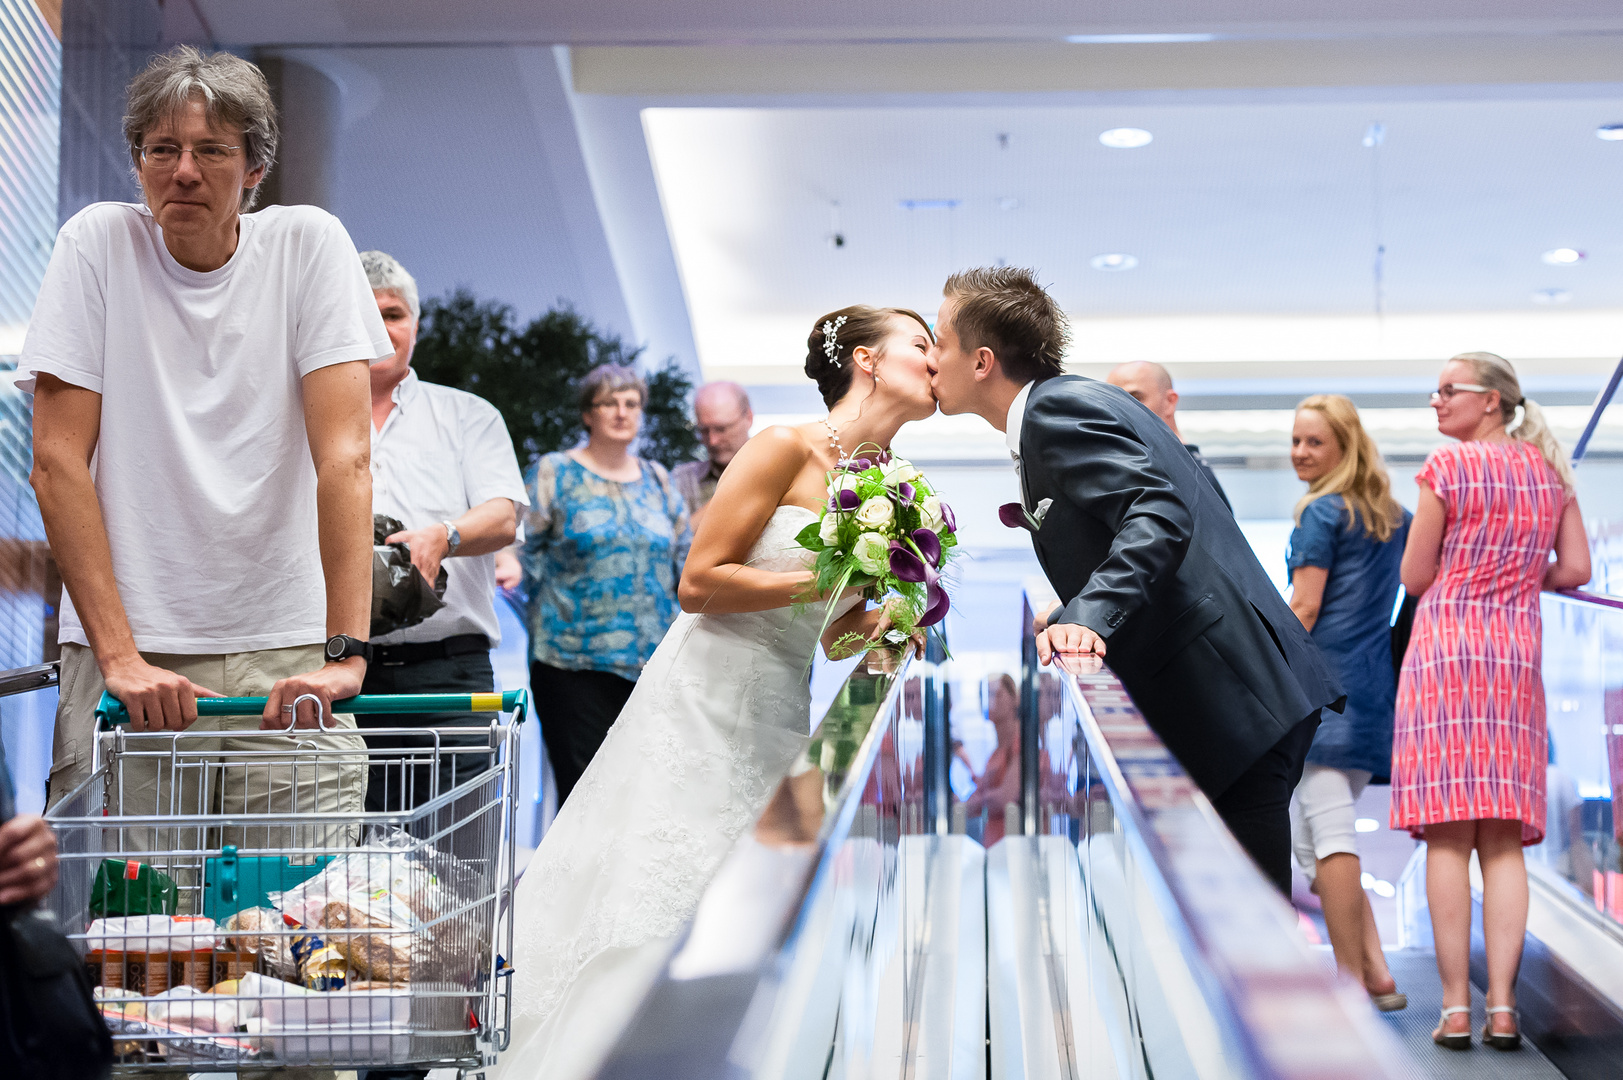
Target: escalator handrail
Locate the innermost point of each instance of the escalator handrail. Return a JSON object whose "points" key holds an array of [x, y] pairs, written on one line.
{"points": [[1196, 901], [24, 679], [1578, 596], [1602, 400]]}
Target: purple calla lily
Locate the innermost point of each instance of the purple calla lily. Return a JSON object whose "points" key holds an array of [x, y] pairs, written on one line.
{"points": [[846, 501], [929, 545], [862, 464], [939, 602], [1013, 515], [904, 492], [946, 516], [906, 565]]}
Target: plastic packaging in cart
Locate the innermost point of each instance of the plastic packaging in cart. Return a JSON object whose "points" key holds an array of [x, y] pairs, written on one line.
{"points": [[262, 931], [152, 934], [195, 1009]]}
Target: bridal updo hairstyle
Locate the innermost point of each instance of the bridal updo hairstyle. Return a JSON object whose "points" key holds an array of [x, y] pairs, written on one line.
{"points": [[864, 327], [1002, 308]]}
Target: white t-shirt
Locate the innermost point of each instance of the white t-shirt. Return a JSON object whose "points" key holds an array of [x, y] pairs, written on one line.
{"points": [[442, 452], [203, 466]]}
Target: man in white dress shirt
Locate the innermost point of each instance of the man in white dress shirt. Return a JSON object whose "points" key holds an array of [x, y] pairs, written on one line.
{"points": [[443, 465]]}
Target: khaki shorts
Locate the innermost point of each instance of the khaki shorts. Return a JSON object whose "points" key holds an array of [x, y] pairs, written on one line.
{"points": [[203, 778]]}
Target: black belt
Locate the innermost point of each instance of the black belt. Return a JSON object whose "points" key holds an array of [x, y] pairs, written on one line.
{"points": [[423, 651]]}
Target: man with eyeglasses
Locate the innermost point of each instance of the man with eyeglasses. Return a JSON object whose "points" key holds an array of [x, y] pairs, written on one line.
{"points": [[201, 444], [722, 417]]}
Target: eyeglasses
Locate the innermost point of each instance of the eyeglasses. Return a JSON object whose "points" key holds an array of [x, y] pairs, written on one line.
{"points": [[612, 405], [1447, 391], [704, 431], [161, 157]]}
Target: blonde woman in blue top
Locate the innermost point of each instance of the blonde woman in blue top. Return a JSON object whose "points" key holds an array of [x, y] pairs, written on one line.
{"points": [[1344, 559], [605, 538]]}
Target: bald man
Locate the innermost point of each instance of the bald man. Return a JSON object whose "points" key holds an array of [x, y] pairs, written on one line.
{"points": [[722, 417], [1152, 386]]}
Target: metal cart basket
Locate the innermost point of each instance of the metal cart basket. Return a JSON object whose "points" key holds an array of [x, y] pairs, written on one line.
{"points": [[238, 908]]}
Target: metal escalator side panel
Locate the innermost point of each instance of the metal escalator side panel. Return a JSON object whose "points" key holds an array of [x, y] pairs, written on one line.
{"points": [[950, 1017], [1020, 1013]]}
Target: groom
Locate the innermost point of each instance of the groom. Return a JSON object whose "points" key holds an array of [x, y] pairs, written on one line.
{"points": [[1152, 572]]}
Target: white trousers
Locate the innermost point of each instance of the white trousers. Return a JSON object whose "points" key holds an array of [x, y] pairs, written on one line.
{"points": [[1323, 814]]}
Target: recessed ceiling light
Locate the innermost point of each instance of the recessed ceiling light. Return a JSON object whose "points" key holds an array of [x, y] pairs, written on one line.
{"points": [[1125, 138], [930, 204], [1136, 39], [1610, 132], [1562, 257], [1114, 261], [1551, 296]]}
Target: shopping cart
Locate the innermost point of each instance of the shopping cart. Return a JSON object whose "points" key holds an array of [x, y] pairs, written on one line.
{"points": [[237, 907]]}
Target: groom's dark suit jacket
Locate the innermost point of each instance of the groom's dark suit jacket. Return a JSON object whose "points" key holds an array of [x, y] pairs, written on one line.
{"points": [[1143, 552]]}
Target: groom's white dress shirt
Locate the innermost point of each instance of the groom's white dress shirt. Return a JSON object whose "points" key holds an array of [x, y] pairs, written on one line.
{"points": [[1017, 417]]}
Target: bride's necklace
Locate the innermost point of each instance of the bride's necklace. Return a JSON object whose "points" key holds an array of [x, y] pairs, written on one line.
{"points": [[834, 441]]}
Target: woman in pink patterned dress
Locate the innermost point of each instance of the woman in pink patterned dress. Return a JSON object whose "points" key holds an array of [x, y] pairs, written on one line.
{"points": [[1468, 754]]}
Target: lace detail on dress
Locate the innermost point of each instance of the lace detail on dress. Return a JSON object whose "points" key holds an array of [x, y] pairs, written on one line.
{"points": [[718, 716]]}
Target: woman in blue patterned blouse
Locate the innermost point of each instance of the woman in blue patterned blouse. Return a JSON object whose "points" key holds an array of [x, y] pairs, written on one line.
{"points": [[605, 538]]}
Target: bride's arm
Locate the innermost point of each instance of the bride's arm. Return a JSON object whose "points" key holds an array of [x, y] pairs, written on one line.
{"points": [[715, 579]]}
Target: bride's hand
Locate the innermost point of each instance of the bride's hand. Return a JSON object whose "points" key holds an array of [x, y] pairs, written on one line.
{"points": [[883, 627]]}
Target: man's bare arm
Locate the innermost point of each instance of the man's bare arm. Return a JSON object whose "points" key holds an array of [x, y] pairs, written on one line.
{"points": [[485, 528], [337, 412], [67, 425]]}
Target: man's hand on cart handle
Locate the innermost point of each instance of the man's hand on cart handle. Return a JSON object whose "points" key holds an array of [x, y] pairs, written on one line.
{"points": [[27, 859], [158, 699], [331, 682]]}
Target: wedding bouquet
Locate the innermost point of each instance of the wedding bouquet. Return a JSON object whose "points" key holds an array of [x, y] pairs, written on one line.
{"points": [[885, 531]]}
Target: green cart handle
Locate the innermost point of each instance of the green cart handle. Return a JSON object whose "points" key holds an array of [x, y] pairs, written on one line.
{"points": [[110, 711]]}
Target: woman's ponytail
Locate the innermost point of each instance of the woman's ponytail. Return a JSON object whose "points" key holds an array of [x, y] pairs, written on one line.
{"points": [[1533, 429], [1524, 420]]}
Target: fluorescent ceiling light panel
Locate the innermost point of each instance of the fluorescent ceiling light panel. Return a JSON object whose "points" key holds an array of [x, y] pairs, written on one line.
{"points": [[1114, 261], [1610, 132], [1125, 138]]}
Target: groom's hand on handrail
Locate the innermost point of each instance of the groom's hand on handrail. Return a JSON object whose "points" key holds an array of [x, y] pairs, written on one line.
{"points": [[1068, 638]]}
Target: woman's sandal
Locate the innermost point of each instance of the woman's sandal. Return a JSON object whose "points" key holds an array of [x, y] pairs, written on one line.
{"points": [[1396, 1001], [1513, 1041], [1452, 1040]]}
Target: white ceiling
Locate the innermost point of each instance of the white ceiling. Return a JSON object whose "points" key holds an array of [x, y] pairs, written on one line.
{"points": [[1234, 211]]}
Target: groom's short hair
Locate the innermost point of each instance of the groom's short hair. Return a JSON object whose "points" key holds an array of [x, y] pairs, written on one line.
{"points": [[1002, 308]]}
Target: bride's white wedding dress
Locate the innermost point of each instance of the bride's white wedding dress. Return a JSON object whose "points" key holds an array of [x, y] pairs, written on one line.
{"points": [[717, 718]]}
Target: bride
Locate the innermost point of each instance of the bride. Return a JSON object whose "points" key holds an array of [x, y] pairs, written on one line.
{"points": [[718, 716]]}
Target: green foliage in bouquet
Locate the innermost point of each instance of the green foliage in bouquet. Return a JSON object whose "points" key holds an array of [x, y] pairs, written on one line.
{"points": [[885, 531]]}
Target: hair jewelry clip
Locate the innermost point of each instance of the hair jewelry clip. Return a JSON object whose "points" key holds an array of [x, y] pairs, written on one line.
{"points": [[1516, 420], [831, 346]]}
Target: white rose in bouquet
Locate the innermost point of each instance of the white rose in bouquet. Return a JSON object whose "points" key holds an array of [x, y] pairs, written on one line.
{"points": [[876, 513], [872, 552], [930, 513], [898, 471], [828, 530], [844, 482]]}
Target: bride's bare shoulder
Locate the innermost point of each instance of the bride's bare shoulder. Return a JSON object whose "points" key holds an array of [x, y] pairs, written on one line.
{"points": [[781, 444]]}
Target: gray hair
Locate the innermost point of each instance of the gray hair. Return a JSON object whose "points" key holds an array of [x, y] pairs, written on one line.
{"points": [[385, 274], [612, 378], [234, 94]]}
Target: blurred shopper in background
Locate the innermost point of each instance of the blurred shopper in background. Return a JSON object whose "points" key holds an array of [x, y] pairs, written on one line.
{"points": [[200, 442], [1344, 558], [722, 417], [1151, 384], [1469, 753], [604, 542], [443, 465]]}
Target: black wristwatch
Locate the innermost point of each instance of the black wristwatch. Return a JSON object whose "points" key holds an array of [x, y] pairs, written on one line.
{"points": [[342, 647]]}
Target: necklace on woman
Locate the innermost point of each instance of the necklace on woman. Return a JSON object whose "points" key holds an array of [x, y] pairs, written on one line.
{"points": [[834, 441]]}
